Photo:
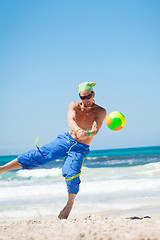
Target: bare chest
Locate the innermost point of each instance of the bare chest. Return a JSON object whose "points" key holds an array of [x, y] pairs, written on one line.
{"points": [[85, 119]]}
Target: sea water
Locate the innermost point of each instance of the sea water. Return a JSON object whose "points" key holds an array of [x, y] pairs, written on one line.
{"points": [[112, 181]]}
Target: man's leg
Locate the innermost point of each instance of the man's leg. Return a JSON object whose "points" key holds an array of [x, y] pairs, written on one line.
{"points": [[10, 166], [66, 210], [71, 171]]}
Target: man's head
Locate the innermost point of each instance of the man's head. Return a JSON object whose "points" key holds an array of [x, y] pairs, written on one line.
{"points": [[86, 93]]}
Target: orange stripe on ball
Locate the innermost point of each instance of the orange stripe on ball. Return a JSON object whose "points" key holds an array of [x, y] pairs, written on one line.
{"points": [[118, 128]]}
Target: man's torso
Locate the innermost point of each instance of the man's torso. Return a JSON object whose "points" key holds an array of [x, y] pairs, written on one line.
{"points": [[85, 118]]}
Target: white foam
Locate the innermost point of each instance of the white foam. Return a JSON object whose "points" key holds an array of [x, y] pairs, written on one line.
{"points": [[40, 173], [30, 212], [92, 158], [136, 172], [121, 186], [32, 191]]}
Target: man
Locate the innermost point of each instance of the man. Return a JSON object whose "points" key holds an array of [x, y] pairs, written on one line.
{"points": [[85, 119]]}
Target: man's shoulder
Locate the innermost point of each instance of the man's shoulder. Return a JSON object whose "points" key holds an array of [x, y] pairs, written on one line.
{"points": [[74, 104], [101, 109], [101, 112]]}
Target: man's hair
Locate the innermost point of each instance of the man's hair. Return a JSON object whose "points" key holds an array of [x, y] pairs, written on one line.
{"points": [[90, 91]]}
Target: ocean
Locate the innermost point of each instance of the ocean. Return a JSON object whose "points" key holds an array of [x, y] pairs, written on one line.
{"points": [[113, 181]]}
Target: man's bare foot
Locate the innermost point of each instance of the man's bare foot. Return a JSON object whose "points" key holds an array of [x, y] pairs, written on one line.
{"points": [[65, 212]]}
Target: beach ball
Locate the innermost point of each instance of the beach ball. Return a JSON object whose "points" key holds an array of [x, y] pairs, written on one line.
{"points": [[115, 121]]}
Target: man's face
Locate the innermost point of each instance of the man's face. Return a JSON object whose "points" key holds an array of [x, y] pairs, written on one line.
{"points": [[87, 98]]}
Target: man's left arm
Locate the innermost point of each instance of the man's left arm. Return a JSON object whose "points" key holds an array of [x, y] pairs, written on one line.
{"points": [[98, 122]]}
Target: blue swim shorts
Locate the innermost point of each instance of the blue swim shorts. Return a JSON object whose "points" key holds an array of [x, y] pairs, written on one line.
{"points": [[63, 146]]}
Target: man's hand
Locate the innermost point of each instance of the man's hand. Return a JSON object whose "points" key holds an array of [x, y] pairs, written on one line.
{"points": [[81, 134]]}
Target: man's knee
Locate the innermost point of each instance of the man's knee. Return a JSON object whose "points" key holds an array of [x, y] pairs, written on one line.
{"points": [[73, 185]]}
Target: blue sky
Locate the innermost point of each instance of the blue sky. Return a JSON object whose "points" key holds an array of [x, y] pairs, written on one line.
{"points": [[48, 47]]}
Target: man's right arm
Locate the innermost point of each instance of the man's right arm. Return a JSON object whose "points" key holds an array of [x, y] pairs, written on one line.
{"points": [[80, 133], [72, 117]]}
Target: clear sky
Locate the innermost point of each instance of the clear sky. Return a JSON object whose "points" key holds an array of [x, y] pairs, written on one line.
{"points": [[48, 47]]}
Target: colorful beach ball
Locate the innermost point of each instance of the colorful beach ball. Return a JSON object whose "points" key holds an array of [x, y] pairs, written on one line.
{"points": [[115, 121]]}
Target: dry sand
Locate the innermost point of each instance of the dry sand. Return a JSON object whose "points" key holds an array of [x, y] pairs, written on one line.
{"points": [[91, 227]]}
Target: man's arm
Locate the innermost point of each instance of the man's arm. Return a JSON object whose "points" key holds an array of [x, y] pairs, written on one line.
{"points": [[72, 117], [98, 122], [80, 133]]}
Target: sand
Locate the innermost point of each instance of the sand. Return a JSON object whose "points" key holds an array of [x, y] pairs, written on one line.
{"points": [[90, 227]]}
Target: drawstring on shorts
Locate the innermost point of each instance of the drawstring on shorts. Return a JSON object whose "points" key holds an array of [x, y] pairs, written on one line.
{"points": [[72, 145]]}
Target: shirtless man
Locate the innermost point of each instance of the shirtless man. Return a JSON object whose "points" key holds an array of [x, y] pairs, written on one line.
{"points": [[85, 118]]}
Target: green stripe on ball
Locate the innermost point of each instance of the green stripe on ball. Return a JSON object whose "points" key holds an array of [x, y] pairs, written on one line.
{"points": [[116, 122]]}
